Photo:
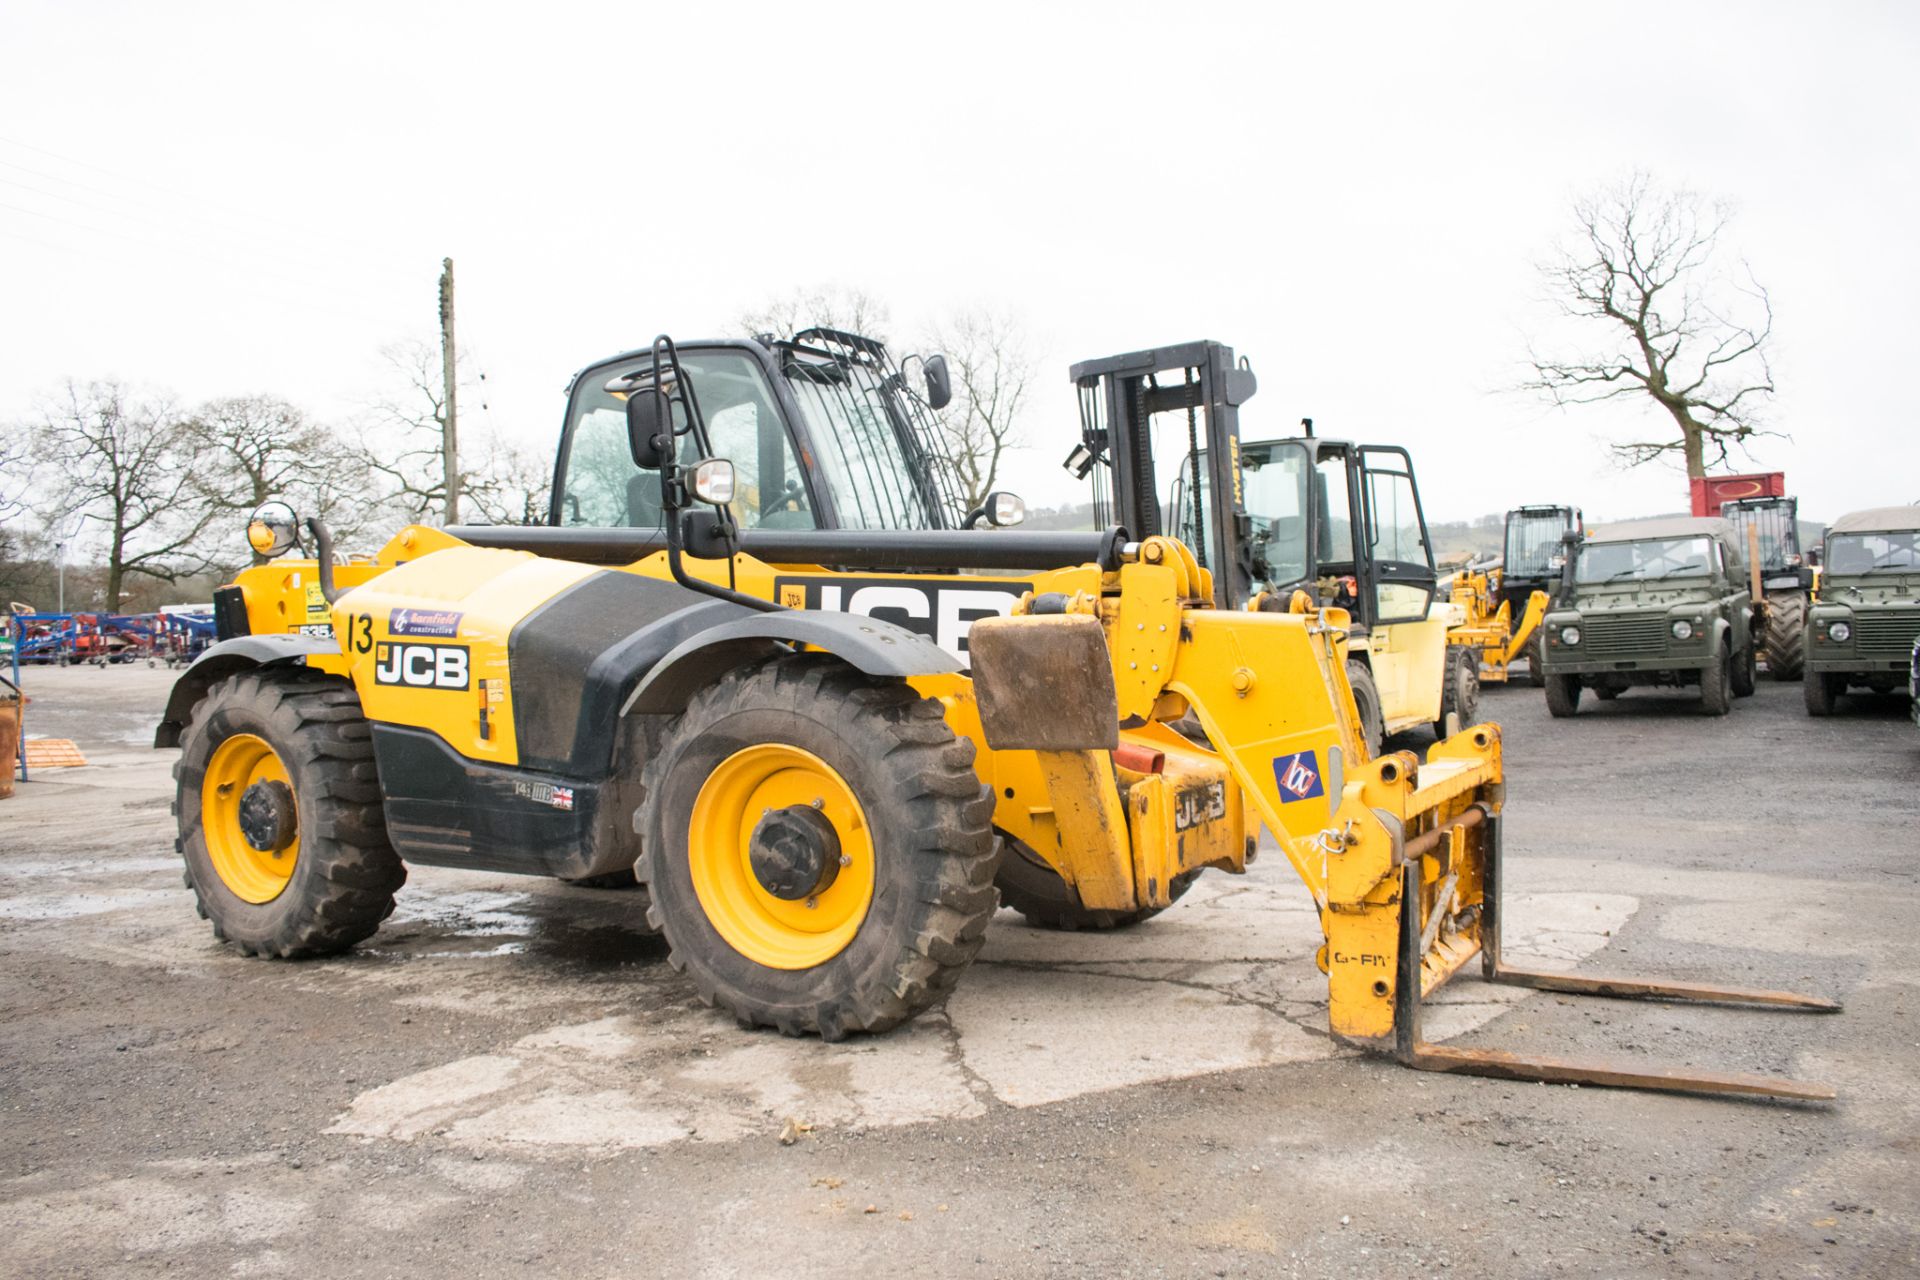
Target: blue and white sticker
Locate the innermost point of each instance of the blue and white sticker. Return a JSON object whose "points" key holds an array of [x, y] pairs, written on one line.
{"points": [[1298, 776], [441, 624]]}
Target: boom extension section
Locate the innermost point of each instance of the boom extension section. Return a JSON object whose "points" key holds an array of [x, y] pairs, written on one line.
{"points": [[1402, 858]]}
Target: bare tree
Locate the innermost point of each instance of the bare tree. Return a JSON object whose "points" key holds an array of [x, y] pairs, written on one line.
{"points": [[252, 448], [402, 446], [823, 306], [993, 365], [16, 472], [509, 485], [1670, 324], [127, 464]]}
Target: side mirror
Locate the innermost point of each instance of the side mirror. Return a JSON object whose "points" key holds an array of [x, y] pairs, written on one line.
{"points": [[273, 529], [645, 426], [939, 382], [1000, 509]]}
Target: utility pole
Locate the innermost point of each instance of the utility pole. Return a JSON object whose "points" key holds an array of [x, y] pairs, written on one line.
{"points": [[449, 427]]}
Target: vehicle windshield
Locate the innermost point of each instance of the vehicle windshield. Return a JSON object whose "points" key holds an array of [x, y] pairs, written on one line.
{"points": [[601, 487], [1873, 552], [863, 444], [1651, 558], [1274, 487], [1773, 532], [1533, 545]]}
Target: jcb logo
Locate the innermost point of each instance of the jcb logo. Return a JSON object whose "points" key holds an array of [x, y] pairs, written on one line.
{"points": [[941, 613], [421, 666]]}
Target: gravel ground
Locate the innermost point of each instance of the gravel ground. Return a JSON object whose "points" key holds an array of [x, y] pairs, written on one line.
{"points": [[510, 1079]]}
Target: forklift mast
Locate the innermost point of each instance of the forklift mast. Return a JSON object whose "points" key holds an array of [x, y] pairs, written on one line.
{"points": [[1119, 396]]}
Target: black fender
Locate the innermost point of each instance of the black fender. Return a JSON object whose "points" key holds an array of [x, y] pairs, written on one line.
{"points": [[230, 657], [870, 645]]}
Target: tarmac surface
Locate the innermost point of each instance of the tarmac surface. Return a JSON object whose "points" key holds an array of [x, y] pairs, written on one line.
{"points": [[509, 1078]]}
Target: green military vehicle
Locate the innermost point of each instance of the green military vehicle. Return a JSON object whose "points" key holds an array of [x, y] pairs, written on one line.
{"points": [[1664, 602], [1866, 615]]}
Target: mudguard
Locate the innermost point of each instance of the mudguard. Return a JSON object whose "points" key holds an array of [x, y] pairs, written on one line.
{"points": [[229, 657], [869, 645]]}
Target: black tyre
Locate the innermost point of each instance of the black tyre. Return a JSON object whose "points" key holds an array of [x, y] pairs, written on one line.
{"points": [[1786, 636], [611, 880], [1366, 698], [280, 820], [1036, 891], [1563, 696], [1746, 672], [1716, 684], [1822, 692], [1537, 658], [818, 851], [1459, 689]]}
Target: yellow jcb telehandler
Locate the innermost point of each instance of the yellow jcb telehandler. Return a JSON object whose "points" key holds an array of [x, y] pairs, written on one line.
{"points": [[743, 662]]}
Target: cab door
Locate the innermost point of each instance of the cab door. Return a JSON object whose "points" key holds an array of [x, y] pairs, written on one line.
{"points": [[1408, 647]]}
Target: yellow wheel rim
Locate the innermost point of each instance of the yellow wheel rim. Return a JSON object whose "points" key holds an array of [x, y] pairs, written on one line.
{"points": [[253, 875], [769, 930]]}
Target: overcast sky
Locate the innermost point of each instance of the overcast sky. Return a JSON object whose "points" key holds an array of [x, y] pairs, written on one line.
{"points": [[223, 199]]}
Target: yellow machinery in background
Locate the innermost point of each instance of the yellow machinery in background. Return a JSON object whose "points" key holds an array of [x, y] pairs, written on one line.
{"points": [[813, 745], [1484, 623]]}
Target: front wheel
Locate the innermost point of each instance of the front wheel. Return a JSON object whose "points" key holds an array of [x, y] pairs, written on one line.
{"points": [[1563, 696], [1366, 700], [1459, 689], [1716, 684], [280, 818], [819, 851], [1786, 636], [1822, 692], [1746, 673]]}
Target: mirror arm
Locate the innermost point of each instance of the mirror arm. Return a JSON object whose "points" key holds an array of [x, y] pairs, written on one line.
{"points": [[323, 556]]}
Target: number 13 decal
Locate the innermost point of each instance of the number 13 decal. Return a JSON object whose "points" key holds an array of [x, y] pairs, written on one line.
{"points": [[360, 632]]}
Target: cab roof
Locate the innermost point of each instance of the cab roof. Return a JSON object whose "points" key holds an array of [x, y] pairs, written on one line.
{"points": [[1661, 527], [1877, 520]]}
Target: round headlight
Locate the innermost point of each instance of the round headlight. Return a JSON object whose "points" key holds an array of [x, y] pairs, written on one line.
{"points": [[1569, 635], [1682, 629], [1840, 633]]}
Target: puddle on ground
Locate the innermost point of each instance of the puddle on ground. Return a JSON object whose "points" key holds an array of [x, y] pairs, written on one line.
{"points": [[483, 924]]}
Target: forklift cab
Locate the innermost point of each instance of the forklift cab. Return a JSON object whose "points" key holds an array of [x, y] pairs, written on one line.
{"points": [[1339, 521]]}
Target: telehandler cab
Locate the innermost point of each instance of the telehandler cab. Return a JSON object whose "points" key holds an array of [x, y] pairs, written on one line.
{"points": [[1311, 523], [813, 796]]}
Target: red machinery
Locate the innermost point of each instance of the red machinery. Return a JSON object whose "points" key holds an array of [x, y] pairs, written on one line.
{"points": [[1710, 491]]}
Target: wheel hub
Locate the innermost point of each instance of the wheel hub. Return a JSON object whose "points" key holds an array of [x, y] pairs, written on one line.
{"points": [[794, 852], [266, 816]]}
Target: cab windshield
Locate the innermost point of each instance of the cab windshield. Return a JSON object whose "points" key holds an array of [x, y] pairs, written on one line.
{"points": [[1274, 485], [1873, 552], [1533, 545], [601, 487], [863, 444], [1651, 558]]}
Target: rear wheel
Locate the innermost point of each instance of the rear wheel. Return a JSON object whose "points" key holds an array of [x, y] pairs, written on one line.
{"points": [[1786, 636], [1716, 684], [1459, 689], [1822, 692], [1563, 696], [1366, 699], [1034, 889], [818, 848], [280, 819]]}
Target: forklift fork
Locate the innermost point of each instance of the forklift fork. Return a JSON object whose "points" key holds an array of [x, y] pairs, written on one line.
{"points": [[1411, 1050]]}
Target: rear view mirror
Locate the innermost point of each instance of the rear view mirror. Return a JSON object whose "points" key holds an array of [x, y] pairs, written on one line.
{"points": [[646, 423], [939, 383]]}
